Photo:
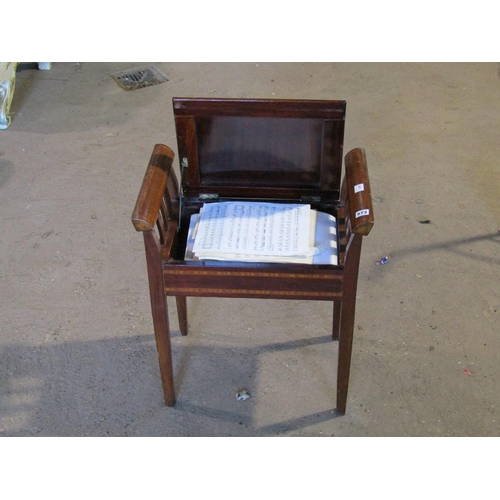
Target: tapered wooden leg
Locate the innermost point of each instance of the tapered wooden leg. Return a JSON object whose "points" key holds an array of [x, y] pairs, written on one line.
{"points": [[345, 351], [160, 315], [337, 310], [182, 314], [347, 322]]}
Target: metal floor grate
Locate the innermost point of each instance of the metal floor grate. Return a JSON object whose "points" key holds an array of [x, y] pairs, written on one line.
{"points": [[139, 78]]}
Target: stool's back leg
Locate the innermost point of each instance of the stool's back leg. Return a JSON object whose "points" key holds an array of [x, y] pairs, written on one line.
{"points": [[337, 310], [182, 314]]}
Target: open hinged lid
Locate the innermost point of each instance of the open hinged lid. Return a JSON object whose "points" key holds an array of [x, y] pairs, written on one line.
{"points": [[260, 148]]}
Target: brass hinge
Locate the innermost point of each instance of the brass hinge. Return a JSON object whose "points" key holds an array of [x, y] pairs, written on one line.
{"points": [[310, 199], [183, 166], [208, 196]]}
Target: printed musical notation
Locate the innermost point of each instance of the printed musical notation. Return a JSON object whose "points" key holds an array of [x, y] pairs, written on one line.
{"points": [[262, 232], [253, 228]]}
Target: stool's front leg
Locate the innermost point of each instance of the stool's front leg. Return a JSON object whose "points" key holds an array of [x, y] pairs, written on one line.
{"points": [[160, 315], [347, 321]]}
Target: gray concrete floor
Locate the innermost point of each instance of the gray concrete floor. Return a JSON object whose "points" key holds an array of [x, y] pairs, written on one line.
{"points": [[76, 343]]}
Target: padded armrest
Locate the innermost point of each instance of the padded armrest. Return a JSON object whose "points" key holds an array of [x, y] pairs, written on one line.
{"points": [[153, 188], [358, 192]]}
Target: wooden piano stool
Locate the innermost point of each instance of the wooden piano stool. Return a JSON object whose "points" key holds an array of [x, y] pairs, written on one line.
{"points": [[254, 149]]}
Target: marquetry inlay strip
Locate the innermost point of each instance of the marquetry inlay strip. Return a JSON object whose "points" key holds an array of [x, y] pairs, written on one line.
{"points": [[191, 272], [232, 291]]}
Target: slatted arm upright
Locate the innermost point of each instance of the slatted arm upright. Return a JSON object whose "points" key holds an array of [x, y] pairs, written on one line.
{"points": [[356, 220], [157, 207]]}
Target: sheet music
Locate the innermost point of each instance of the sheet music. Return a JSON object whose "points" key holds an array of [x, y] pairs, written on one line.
{"points": [[253, 228], [322, 244]]}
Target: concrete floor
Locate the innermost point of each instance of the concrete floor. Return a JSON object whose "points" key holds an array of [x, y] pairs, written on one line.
{"points": [[76, 344]]}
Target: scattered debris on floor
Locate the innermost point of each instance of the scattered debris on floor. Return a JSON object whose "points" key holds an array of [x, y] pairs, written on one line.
{"points": [[382, 261], [242, 395], [467, 372], [424, 221]]}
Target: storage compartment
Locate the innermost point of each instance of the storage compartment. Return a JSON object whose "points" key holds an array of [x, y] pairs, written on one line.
{"points": [[268, 150]]}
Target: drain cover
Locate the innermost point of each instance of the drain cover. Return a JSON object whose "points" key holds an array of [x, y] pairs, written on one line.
{"points": [[139, 78]]}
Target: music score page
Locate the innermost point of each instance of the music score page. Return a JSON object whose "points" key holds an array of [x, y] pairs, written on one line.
{"points": [[253, 228]]}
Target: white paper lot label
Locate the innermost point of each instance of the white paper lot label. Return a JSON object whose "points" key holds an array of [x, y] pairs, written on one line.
{"points": [[360, 213], [359, 187]]}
